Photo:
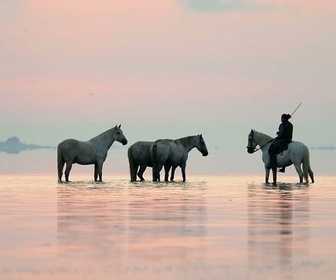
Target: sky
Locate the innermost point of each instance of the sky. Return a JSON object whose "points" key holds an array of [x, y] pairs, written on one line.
{"points": [[168, 69]]}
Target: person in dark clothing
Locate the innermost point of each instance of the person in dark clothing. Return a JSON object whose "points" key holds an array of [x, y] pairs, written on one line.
{"points": [[285, 135]]}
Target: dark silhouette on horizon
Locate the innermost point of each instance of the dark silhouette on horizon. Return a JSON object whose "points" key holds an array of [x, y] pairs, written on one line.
{"points": [[13, 145]]}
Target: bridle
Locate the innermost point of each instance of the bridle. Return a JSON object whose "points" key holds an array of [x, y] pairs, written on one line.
{"points": [[251, 140]]}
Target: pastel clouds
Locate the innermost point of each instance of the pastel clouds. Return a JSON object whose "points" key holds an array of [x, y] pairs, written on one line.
{"points": [[227, 5], [74, 60]]}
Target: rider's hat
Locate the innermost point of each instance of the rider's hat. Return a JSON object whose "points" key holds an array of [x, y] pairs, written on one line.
{"points": [[286, 116]]}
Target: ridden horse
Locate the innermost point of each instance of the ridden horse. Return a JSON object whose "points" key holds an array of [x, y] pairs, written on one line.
{"points": [[297, 153], [94, 151], [173, 153], [139, 155]]}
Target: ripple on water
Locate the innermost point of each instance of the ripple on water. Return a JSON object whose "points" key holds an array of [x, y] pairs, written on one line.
{"points": [[209, 227]]}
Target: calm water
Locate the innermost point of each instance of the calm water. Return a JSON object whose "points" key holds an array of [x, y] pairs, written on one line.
{"points": [[230, 227]]}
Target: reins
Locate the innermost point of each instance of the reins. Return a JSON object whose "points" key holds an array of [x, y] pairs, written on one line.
{"points": [[260, 147]]}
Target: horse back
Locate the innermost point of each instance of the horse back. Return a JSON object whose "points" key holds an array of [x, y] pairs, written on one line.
{"points": [[76, 151], [296, 146], [295, 152]]}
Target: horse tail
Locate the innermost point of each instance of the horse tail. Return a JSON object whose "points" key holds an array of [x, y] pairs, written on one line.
{"points": [[60, 162], [306, 165], [132, 165]]}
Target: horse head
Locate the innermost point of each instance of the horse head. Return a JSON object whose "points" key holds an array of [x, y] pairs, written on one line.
{"points": [[119, 135], [251, 144], [200, 145]]}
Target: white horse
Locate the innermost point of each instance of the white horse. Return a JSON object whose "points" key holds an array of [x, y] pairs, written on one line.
{"points": [[173, 153], [139, 156], [94, 151], [297, 154]]}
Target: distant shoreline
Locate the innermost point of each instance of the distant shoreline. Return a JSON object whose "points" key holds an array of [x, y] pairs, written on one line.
{"points": [[13, 145]]}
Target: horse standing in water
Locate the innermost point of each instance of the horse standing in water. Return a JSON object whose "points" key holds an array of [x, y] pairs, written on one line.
{"points": [[297, 154], [174, 153], [94, 151], [139, 156]]}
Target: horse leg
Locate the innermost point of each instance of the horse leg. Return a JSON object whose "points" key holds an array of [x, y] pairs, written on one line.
{"points": [[167, 168], [156, 172], [133, 172], [95, 175], [154, 177], [300, 172], [67, 171], [60, 170], [98, 173], [267, 172], [311, 174], [172, 173], [183, 168], [274, 172], [60, 166], [141, 172]]}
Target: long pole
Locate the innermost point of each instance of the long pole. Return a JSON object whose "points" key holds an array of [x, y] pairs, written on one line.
{"points": [[296, 109]]}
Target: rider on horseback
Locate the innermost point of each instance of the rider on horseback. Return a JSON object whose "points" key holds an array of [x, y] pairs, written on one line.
{"points": [[284, 137]]}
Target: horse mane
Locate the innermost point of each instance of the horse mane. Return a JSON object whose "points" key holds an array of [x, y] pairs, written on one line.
{"points": [[263, 138], [103, 135], [185, 140], [105, 138]]}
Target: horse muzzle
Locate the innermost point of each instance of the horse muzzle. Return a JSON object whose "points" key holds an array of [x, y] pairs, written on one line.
{"points": [[205, 154], [250, 150], [124, 142]]}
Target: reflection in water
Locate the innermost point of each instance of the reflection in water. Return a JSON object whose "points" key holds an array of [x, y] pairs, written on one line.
{"points": [[134, 221], [160, 222], [213, 228], [278, 227], [90, 221]]}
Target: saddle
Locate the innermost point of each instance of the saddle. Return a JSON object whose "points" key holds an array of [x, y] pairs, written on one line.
{"points": [[278, 147], [283, 147]]}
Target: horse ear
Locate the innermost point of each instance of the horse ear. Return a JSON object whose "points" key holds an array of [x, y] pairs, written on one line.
{"points": [[115, 126], [119, 126]]}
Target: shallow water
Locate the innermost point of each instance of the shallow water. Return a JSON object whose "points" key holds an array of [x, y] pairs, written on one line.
{"points": [[229, 227]]}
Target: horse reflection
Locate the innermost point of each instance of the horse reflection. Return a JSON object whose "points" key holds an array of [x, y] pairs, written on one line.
{"points": [[278, 220], [129, 223], [90, 222]]}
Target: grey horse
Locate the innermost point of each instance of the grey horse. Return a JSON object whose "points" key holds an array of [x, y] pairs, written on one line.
{"points": [[297, 154], [169, 154], [94, 151], [139, 158]]}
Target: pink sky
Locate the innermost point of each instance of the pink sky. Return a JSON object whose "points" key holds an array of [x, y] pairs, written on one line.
{"points": [[217, 69]]}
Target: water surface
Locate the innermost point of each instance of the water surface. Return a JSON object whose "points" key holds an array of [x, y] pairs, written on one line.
{"points": [[212, 227]]}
